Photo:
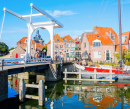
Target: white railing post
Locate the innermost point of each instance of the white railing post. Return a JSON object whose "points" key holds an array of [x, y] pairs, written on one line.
{"points": [[41, 93], [95, 76], [110, 76], [79, 75], [65, 75], [22, 90]]}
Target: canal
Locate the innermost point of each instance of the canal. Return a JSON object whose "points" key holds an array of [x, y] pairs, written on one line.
{"points": [[72, 95]]}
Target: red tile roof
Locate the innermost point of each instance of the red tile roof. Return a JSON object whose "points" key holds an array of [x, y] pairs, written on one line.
{"points": [[23, 40], [105, 39], [68, 37], [57, 38], [106, 30]]}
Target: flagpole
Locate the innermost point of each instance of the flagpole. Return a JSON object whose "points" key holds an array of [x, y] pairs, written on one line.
{"points": [[120, 38]]}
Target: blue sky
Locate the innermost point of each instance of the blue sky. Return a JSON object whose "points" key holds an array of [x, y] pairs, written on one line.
{"points": [[77, 16]]}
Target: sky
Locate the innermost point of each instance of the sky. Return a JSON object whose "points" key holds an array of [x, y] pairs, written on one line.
{"points": [[77, 16]]}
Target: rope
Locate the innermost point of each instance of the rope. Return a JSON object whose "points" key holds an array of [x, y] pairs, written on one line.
{"points": [[2, 25]]}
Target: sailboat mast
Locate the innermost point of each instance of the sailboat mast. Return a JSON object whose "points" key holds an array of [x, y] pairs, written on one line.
{"points": [[120, 38]]}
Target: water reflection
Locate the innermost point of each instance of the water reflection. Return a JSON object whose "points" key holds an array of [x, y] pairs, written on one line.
{"points": [[68, 96]]}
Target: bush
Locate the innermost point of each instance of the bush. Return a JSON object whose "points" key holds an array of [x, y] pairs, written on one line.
{"points": [[128, 63]]}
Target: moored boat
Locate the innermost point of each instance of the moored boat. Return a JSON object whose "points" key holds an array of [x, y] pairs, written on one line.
{"points": [[121, 74]]}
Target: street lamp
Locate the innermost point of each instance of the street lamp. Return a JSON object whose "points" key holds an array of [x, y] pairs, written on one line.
{"points": [[44, 51]]}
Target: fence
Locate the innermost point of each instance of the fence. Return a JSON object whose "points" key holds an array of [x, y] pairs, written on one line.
{"points": [[85, 73]]}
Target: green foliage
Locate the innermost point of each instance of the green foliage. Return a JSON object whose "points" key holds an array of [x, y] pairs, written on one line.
{"points": [[3, 47], [58, 68], [11, 49], [128, 63], [44, 48], [112, 64]]}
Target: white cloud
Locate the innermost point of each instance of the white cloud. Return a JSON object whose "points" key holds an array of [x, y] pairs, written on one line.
{"points": [[57, 13], [73, 33]]}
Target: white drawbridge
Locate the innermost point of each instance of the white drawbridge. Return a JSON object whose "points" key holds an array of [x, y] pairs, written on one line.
{"points": [[32, 26]]}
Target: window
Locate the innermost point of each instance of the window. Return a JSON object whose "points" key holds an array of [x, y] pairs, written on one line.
{"points": [[56, 53], [67, 54], [97, 54], [112, 37], [26, 40], [97, 36], [57, 39], [73, 45], [56, 46], [60, 53], [64, 39], [61, 46], [67, 45], [107, 55], [85, 54], [78, 54], [69, 40], [96, 44], [84, 45]]}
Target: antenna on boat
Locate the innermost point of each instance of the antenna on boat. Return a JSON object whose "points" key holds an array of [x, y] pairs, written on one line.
{"points": [[120, 38]]}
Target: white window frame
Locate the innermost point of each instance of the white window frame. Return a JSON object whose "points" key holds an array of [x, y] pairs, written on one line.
{"points": [[110, 55], [99, 54], [96, 41]]}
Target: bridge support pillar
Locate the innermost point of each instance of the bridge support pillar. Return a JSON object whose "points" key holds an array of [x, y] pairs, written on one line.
{"points": [[3, 85]]}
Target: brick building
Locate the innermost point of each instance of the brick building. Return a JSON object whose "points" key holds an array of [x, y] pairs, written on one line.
{"points": [[36, 46], [63, 47]]}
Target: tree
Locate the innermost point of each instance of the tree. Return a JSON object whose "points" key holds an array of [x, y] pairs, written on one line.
{"points": [[3, 47], [44, 48], [125, 55], [11, 49]]}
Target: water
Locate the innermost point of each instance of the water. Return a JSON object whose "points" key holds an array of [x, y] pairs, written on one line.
{"points": [[73, 96]]}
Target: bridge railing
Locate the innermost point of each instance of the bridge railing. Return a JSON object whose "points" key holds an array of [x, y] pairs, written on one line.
{"points": [[18, 61]]}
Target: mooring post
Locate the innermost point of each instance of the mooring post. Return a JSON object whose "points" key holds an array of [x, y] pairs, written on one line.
{"points": [[2, 63], [65, 75], [41, 93], [22, 90], [110, 76], [95, 76], [79, 75]]}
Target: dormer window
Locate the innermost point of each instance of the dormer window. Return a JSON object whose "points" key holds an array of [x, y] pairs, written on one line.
{"points": [[97, 36], [112, 37], [96, 43], [26, 40], [69, 40], [64, 39], [57, 39]]}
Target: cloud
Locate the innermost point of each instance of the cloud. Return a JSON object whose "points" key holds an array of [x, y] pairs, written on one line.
{"points": [[73, 33], [57, 13]]}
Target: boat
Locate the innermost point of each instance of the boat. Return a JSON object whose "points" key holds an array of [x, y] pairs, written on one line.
{"points": [[120, 74]]}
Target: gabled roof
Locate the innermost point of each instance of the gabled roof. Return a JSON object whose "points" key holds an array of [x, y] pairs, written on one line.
{"points": [[68, 37], [57, 38], [104, 30], [105, 39], [23, 40]]}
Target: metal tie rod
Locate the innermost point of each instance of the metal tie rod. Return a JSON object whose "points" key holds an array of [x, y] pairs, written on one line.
{"points": [[15, 14], [45, 14]]}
